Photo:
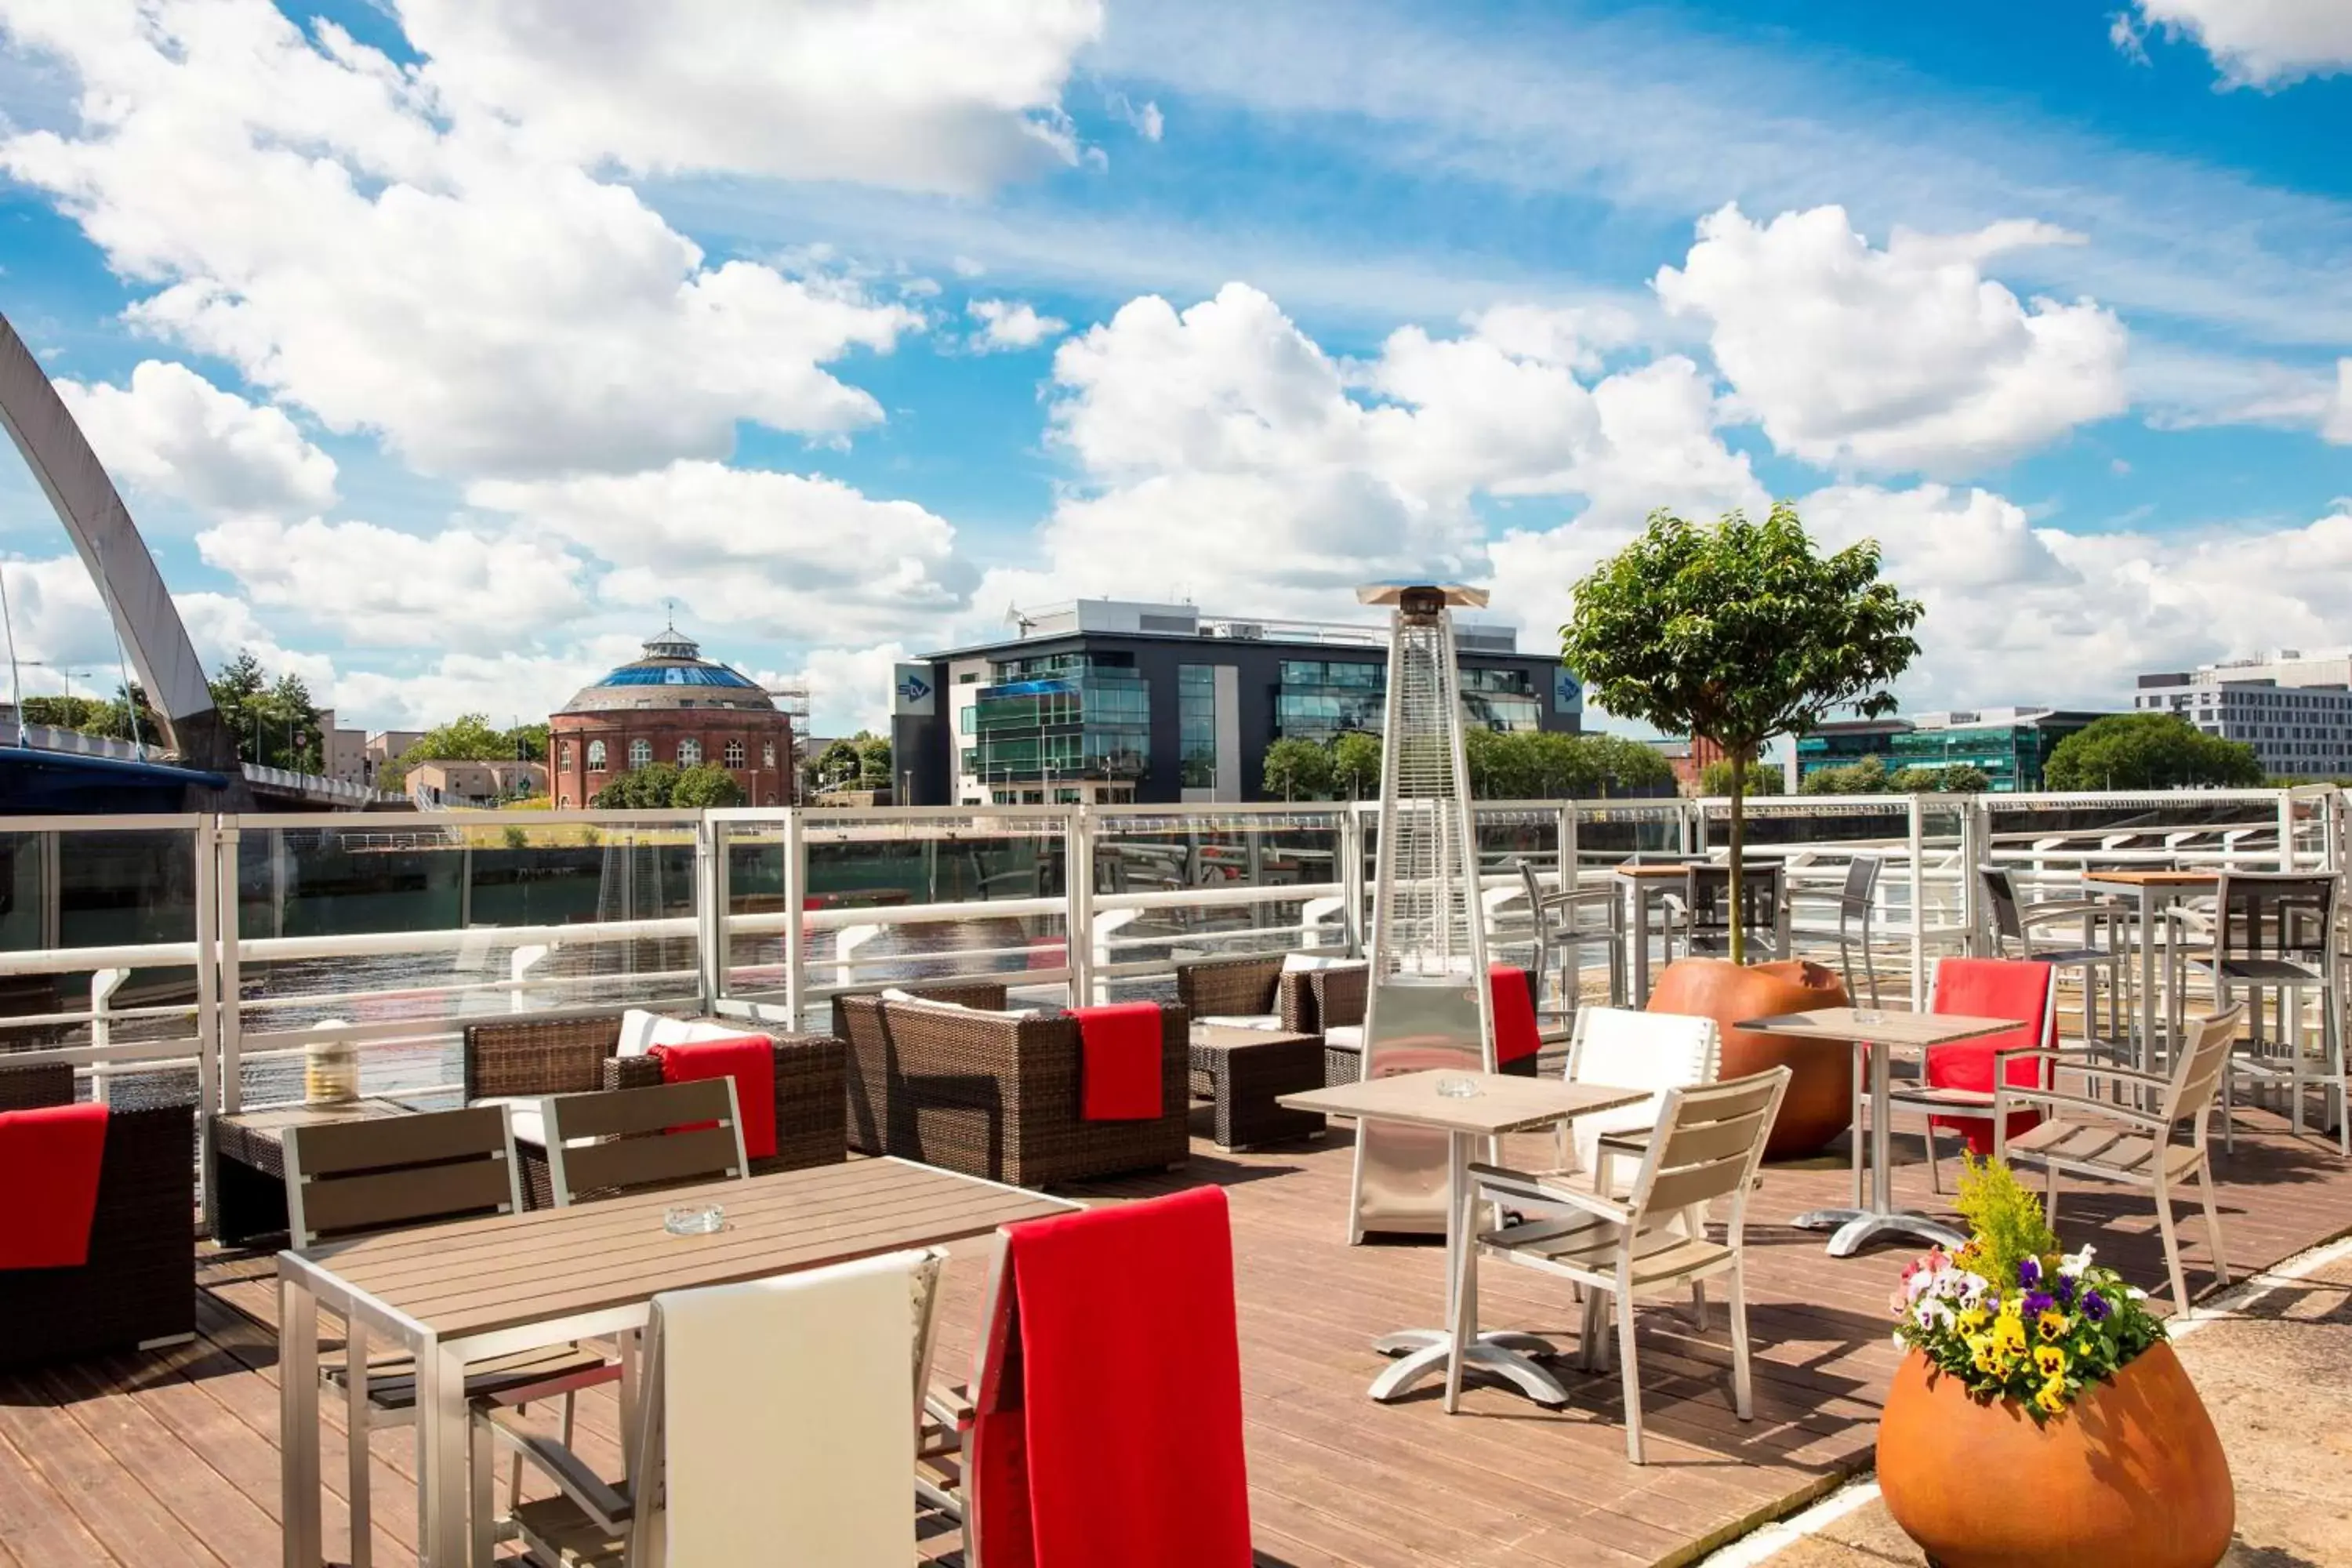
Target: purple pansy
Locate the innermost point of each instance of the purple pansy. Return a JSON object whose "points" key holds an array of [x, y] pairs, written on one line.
{"points": [[2037, 1302], [2094, 1307], [2065, 1289], [2029, 1272]]}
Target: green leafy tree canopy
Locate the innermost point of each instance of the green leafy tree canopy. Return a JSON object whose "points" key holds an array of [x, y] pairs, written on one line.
{"points": [[1298, 769], [1736, 632], [2149, 751]]}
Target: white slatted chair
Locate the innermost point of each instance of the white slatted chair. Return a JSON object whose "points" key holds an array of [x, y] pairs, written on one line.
{"points": [[1619, 1046], [774, 1443], [2087, 1137], [1708, 1143]]}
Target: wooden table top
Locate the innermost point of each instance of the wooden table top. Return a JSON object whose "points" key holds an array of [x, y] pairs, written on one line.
{"points": [[274, 1120], [509, 1270], [1237, 1037], [1649, 873], [1503, 1103], [1889, 1028], [2155, 878]]}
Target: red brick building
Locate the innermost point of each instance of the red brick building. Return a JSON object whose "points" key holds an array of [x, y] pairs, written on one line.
{"points": [[672, 706]]}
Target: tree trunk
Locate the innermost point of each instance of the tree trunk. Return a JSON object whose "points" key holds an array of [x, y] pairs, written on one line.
{"points": [[1739, 847]]}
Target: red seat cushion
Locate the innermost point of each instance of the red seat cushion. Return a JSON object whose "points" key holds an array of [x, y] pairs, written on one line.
{"points": [[49, 1164], [750, 1061], [1990, 988]]}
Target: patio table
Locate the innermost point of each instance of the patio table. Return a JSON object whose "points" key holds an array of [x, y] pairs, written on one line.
{"points": [[2153, 893], [1644, 885], [1873, 1214], [1502, 1104], [455, 1294]]}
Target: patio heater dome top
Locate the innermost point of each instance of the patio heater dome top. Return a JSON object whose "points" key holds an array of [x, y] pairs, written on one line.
{"points": [[1420, 595]]}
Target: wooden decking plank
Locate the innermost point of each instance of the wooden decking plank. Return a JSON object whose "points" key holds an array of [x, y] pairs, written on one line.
{"points": [[111, 1499], [37, 1525]]}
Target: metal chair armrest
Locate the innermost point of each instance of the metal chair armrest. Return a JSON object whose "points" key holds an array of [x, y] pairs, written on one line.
{"points": [[610, 1508], [1497, 1184]]}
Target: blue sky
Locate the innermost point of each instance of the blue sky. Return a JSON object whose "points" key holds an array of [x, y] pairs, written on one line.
{"points": [[437, 345]]}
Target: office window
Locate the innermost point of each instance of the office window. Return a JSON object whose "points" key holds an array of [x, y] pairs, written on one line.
{"points": [[1196, 720], [595, 756]]}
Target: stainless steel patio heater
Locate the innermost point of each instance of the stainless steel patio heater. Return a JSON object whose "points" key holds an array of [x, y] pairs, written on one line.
{"points": [[1429, 1005]]}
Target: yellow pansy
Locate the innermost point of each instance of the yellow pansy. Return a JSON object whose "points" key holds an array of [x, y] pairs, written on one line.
{"points": [[2013, 1309], [2052, 1323], [1981, 1350], [2051, 1399], [1971, 1318], [2009, 1336], [2050, 1360]]}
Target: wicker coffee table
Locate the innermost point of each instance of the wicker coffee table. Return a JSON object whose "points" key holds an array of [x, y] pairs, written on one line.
{"points": [[1242, 1071], [248, 1175]]}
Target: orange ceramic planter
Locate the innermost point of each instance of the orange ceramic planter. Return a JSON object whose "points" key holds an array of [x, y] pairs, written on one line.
{"points": [[1820, 1102], [2132, 1473]]}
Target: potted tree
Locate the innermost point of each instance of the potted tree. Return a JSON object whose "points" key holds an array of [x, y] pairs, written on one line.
{"points": [[2039, 1416], [1734, 633]]}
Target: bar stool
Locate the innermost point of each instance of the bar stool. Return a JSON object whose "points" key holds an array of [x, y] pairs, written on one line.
{"points": [[2013, 924], [1856, 900], [2275, 932]]}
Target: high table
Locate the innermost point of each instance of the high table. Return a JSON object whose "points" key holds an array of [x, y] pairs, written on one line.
{"points": [[1502, 1104], [2153, 893], [1874, 1214], [1645, 884], [453, 1294]]}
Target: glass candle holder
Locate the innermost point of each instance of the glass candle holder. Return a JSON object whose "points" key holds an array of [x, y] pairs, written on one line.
{"points": [[1458, 1087]]}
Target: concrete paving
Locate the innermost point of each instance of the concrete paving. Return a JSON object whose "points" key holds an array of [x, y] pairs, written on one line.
{"points": [[2277, 1377]]}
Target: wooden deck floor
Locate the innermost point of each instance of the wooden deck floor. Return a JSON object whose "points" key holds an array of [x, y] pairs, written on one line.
{"points": [[173, 1459]]}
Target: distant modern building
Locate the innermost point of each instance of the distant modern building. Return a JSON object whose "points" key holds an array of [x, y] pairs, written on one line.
{"points": [[384, 746], [2010, 746], [672, 706], [443, 785], [2300, 728], [346, 757], [1112, 701]]}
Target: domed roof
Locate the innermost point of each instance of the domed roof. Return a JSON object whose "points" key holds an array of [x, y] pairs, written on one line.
{"points": [[672, 674]]}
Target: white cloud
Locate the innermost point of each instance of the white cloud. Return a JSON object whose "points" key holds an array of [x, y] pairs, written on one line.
{"points": [[2336, 425], [900, 93], [374, 586], [1011, 324], [60, 625], [1220, 453], [221, 627], [505, 687], [810, 559], [173, 433], [1901, 360], [2254, 43], [402, 263], [850, 688]]}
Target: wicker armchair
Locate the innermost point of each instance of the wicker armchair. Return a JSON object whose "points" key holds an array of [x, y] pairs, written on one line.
{"points": [[574, 1056], [1335, 999], [138, 1287], [1258, 985], [996, 1094]]}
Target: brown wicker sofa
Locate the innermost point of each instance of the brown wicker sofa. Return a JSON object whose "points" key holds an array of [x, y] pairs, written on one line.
{"points": [[138, 1287], [995, 1094], [575, 1056]]}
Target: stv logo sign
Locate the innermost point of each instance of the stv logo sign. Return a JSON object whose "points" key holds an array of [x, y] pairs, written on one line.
{"points": [[914, 689]]}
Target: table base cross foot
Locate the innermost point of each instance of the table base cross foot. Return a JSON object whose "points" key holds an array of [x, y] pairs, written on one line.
{"points": [[1503, 1353], [1857, 1228]]}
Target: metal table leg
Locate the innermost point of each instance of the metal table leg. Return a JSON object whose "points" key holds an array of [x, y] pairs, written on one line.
{"points": [[298, 1422], [1425, 1351], [1854, 1227]]}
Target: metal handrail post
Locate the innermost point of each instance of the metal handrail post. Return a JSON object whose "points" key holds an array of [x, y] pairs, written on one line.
{"points": [[711, 899], [208, 993], [1351, 877], [232, 984], [795, 879], [1916, 835], [1078, 888]]}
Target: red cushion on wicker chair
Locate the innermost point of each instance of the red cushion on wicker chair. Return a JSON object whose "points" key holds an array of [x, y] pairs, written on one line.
{"points": [[49, 1164], [1511, 992], [1113, 1435], [750, 1061], [1119, 1061], [1989, 988]]}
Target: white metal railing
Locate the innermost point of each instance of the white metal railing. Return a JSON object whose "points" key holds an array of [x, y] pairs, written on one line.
{"points": [[237, 940]]}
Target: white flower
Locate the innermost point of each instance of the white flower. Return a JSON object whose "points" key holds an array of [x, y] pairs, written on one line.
{"points": [[2075, 1263]]}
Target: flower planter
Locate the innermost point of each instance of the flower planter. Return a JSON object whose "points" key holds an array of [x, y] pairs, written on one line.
{"points": [[2132, 1472], [1820, 1102]]}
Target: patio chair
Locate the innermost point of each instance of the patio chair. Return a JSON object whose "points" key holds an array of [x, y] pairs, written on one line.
{"points": [[1271, 991], [1856, 903], [776, 1423], [2016, 935], [1955, 1082], [345, 1179], [1657, 1051], [2096, 1138], [1559, 933], [1708, 1143], [623, 1141], [134, 1288], [1703, 908], [2275, 932], [1105, 1418]]}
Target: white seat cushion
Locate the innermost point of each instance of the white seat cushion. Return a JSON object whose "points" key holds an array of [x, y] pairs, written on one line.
{"points": [[911, 1000], [523, 1115], [1305, 963], [1347, 1037], [637, 1031], [1243, 1020]]}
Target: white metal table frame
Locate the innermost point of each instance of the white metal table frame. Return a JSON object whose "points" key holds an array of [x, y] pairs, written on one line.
{"points": [[446, 1474], [2154, 1046], [1506, 1353], [1873, 1214]]}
